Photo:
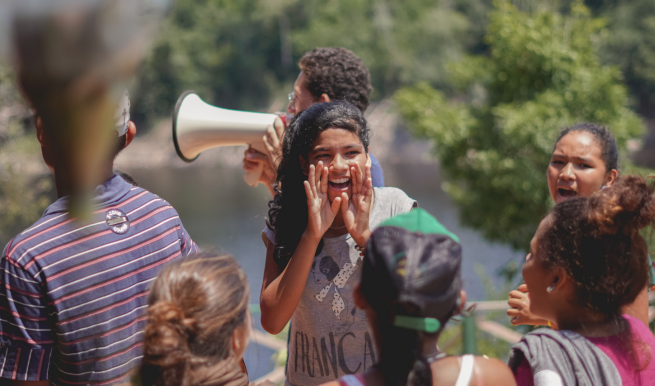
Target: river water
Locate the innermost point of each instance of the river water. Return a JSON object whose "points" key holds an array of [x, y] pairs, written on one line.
{"points": [[221, 212]]}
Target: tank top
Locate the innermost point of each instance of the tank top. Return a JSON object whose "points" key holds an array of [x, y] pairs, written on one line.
{"points": [[466, 363]]}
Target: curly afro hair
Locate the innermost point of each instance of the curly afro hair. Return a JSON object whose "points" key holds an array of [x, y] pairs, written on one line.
{"points": [[339, 73], [597, 241]]}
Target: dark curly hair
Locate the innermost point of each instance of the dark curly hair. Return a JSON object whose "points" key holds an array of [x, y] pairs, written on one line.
{"points": [[337, 72], [288, 209], [603, 135], [596, 240], [195, 305]]}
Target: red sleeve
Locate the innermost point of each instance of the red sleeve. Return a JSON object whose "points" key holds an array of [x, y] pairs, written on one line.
{"points": [[523, 374]]}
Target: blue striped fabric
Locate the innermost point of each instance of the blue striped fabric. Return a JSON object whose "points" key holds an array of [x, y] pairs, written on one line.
{"points": [[73, 295]]}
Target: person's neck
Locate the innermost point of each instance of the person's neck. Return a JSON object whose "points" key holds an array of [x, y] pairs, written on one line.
{"points": [[64, 186], [589, 324]]}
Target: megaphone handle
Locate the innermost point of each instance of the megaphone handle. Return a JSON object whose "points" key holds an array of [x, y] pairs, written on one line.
{"points": [[252, 177]]}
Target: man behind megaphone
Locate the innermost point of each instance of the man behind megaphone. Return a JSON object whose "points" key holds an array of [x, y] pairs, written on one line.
{"points": [[325, 74]]}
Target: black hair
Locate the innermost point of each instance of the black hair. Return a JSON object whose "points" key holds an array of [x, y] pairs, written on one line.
{"points": [[119, 145], [401, 360], [288, 209], [603, 135], [337, 72]]}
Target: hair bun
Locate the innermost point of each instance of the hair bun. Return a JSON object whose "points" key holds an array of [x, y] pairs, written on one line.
{"points": [[628, 205], [166, 334]]}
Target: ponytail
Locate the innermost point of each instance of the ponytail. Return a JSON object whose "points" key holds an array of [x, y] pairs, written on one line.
{"points": [[196, 303], [166, 346], [401, 361]]}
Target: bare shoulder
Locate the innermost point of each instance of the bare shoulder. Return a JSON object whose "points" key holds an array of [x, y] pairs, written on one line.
{"points": [[445, 371], [492, 371]]}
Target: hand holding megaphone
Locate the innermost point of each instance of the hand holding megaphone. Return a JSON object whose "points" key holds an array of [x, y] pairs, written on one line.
{"points": [[254, 159], [198, 126]]}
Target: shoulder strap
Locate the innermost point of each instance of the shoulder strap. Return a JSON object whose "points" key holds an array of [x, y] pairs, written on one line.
{"points": [[466, 370], [351, 380]]}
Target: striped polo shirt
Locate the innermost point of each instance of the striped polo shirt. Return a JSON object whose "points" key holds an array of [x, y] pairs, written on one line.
{"points": [[74, 295]]}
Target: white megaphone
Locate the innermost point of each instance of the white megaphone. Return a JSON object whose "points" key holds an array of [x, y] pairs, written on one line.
{"points": [[198, 126]]}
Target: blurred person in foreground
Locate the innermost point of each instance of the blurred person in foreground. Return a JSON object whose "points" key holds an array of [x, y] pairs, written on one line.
{"points": [[585, 160], [198, 324], [411, 287], [587, 261], [74, 292], [326, 74]]}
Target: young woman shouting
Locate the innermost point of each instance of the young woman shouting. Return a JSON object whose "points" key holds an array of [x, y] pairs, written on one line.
{"points": [[320, 221]]}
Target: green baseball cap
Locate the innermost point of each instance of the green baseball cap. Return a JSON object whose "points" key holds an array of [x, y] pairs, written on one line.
{"points": [[412, 260]]}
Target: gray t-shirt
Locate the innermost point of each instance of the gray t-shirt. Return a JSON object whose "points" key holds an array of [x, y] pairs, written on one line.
{"points": [[329, 336]]}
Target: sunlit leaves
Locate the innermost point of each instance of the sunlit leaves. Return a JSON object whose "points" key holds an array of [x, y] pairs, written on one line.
{"points": [[494, 140]]}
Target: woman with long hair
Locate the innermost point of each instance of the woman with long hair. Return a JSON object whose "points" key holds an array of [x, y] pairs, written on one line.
{"points": [[587, 262], [585, 160], [198, 324], [411, 286], [319, 223]]}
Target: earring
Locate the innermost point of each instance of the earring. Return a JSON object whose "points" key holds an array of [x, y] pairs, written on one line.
{"points": [[550, 289], [604, 186]]}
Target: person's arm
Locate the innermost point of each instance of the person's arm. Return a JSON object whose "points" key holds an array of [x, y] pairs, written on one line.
{"points": [[25, 326], [187, 246], [282, 289]]}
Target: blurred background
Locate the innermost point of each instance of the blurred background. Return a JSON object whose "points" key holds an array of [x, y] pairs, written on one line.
{"points": [[468, 98]]}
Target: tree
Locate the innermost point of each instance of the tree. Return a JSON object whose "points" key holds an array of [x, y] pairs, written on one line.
{"points": [[25, 190], [243, 54], [630, 45], [542, 74]]}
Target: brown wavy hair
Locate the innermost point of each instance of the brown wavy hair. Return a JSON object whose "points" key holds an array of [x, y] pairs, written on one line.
{"points": [[597, 241], [196, 303]]}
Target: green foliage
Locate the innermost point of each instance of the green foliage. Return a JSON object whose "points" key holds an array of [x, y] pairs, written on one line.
{"points": [[542, 74], [24, 191], [630, 45], [243, 54], [401, 41], [227, 51]]}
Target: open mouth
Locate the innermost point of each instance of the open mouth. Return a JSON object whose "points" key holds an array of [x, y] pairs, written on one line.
{"points": [[567, 193], [339, 183]]}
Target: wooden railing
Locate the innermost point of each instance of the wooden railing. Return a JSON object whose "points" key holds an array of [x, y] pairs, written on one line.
{"points": [[469, 326]]}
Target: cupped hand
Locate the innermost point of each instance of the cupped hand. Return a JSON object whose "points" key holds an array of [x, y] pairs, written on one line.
{"points": [[519, 300], [357, 210], [321, 212]]}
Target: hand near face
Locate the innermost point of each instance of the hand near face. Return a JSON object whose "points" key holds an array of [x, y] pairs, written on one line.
{"points": [[321, 211], [357, 209], [519, 300]]}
